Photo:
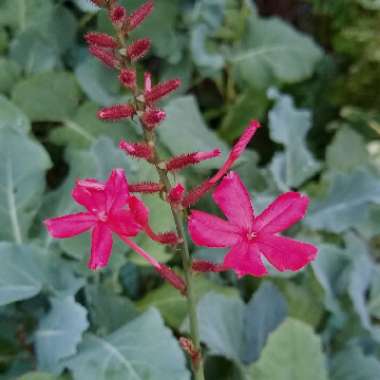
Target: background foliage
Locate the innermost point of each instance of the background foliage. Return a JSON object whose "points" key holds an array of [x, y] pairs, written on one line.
{"points": [[309, 70]]}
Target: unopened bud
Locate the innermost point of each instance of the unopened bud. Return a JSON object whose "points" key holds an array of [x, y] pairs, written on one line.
{"points": [[162, 90], [189, 347], [138, 49], [206, 266], [173, 278], [116, 112], [101, 39], [128, 78], [138, 150], [180, 162], [107, 57], [152, 117], [137, 17], [147, 81], [176, 194], [145, 187], [196, 194], [118, 16]]}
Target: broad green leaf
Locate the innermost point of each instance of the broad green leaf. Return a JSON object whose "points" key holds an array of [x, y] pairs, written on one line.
{"points": [[98, 82], [184, 131], [21, 275], [12, 117], [289, 126], [374, 300], [293, 352], [41, 376], [83, 129], [59, 332], [221, 321], [51, 96], [346, 203], [336, 154], [273, 52], [9, 74], [173, 306], [251, 104], [143, 349], [264, 313], [352, 364], [23, 165]]}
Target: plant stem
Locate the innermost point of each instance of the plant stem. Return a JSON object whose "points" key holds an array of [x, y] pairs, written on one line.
{"points": [[178, 216]]}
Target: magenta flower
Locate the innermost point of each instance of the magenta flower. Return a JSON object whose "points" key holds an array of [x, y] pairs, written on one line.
{"points": [[251, 237], [110, 209]]}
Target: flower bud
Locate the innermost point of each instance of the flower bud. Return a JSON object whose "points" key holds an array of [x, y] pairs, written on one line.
{"points": [[195, 194], [180, 162], [145, 187], [107, 57], [138, 49], [206, 266], [118, 16], [140, 15], [116, 112], [170, 276], [147, 81], [152, 117], [138, 150], [175, 195], [162, 90], [101, 39], [128, 78]]}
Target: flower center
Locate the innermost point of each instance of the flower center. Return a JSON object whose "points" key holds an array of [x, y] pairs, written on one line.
{"points": [[102, 216], [251, 235]]}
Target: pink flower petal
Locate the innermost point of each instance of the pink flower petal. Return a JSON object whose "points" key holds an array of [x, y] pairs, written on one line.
{"points": [[116, 190], [101, 247], [233, 199], [139, 210], [89, 193], [245, 259], [70, 225], [123, 222], [286, 210], [285, 253], [211, 231]]}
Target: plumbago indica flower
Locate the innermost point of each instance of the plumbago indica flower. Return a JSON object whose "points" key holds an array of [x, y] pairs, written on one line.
{"points": [[112, 209]]}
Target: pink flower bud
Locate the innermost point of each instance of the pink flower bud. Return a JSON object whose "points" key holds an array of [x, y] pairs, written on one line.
{"points": [[138, 49], [180, 162], [107, 57], [128, 78], [195, 194], [189, 347], [147, 81], [145, 187], [116, 112], [206, 266], [118, 16], [138, 150], [101, 39], [161, 90], [140, 15], [152, 117], [173, 278], [175, 195], [169, 238]]}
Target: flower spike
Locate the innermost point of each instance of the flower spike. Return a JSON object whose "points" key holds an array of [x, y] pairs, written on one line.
{"points": [[137, 17], [107, 57], [138, 49], [162, 90], [116, 112]]}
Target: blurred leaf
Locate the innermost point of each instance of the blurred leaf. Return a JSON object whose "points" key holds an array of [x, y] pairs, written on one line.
{"points": [[23, 165], [346, 203], [51, 96], [86, 6], [59, 332], [142, 349], [293, 352], [374, 301], [185, 130], [352, 364], [289, 126], [40, 376], [273, 52], [173, 306], [336, 154], [370, 4], [9, 74], [12, 117], [264, 313]]}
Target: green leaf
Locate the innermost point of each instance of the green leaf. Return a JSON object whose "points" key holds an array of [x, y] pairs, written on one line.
{"points": [[293, 352], [59, 332], [352, 364], [12, 117], [84, 128], [173, 306], [273, 52], [374, 301], [51, 96], [21, 275], [23, 165], [40, 376], [336, 154], [141, 350], [346, 203], [184, 131], [264, 313], [289, 126], [10, 72]]}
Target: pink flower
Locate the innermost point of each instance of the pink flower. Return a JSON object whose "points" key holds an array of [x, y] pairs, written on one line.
{"points": [[251, 237], [110, 209]]}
